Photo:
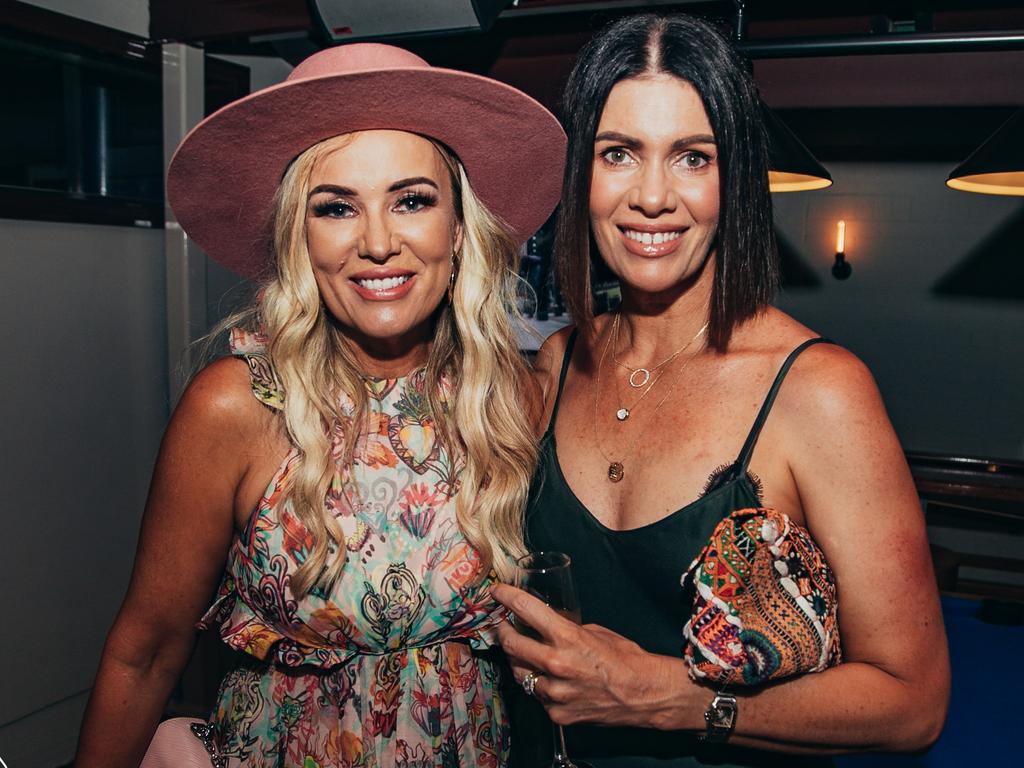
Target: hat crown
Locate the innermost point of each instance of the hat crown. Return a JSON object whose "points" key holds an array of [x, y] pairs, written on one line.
{"points": [[355, 57]]}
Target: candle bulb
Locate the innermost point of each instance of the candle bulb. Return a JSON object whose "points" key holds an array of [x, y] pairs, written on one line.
{"points": [[841, 269]]}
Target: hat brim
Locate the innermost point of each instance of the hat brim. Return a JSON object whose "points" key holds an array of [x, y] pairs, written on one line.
{"points": [[222, 179]]}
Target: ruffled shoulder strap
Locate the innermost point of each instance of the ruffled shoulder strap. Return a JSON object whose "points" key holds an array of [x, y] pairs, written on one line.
{"points": [[252, 347]]}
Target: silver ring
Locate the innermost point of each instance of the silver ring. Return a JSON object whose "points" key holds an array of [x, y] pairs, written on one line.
{"points": [[530, 683]]}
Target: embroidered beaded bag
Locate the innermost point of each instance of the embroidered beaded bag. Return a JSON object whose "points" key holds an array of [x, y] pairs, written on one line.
{"points": [[765, 603]]}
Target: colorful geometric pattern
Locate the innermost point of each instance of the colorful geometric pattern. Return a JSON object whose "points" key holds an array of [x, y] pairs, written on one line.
{"points": [[383, 669], [765, 605]]}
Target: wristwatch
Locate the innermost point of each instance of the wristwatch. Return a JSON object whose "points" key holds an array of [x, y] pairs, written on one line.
{"points": [[721, 718]]}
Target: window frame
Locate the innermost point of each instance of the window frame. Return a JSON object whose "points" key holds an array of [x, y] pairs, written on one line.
{"points": [[68, 37]]}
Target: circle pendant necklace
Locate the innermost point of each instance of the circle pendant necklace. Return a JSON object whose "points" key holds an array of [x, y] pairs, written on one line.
{"points": [[616, 468], [639, 377], [645, 376]]}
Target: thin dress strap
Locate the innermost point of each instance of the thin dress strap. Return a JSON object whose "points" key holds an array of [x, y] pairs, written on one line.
{"points": [[755, 431], [566, 359]]}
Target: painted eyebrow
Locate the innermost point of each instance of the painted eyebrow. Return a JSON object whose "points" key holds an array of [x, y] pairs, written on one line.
{"points": [[411, 182], [618, 138], [634, 143], [334, 189]]}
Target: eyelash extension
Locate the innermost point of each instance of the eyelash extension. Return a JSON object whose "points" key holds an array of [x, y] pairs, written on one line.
{"points": [[422, 198], [330, 206]]}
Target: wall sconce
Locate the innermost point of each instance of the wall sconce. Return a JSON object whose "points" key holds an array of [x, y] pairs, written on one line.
{"points": [[841, 269]]}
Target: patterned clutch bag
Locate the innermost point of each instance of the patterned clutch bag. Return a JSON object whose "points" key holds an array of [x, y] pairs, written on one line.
{"points": [[765, 602]]}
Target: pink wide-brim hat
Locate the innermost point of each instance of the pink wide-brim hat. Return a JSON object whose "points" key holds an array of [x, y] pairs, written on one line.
{"points": [[224, 174]]}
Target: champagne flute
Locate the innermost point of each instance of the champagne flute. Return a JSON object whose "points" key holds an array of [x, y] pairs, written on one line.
{"points": [[548, 577]]}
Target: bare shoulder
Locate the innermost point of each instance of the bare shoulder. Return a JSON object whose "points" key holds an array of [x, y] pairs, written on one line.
{"points": [[829, 385], [219, 423], [222, 444], [826, 381], [842, 452], [548, 363], [220, 397]]}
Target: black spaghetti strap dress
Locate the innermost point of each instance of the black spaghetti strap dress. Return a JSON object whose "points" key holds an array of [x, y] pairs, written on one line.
{"points": [[629, 582]]}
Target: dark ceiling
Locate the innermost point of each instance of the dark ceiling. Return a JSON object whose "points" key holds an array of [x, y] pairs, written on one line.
{"points": [[882, 106], [209, 20]]}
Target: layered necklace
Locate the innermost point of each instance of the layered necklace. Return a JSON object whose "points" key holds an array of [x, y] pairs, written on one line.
{"points": [[638, 377], [643, 378], [616, 468]]}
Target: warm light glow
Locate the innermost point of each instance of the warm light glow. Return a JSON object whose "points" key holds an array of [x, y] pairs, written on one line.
{"points": [[841, 237], [781, 181], [1008, 183]]}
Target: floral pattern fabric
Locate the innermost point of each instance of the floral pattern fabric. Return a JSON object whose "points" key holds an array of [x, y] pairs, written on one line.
{"points": [[388, 667]]}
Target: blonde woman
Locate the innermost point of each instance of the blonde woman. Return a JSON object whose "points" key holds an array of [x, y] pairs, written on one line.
{"points": [[363, 460]]}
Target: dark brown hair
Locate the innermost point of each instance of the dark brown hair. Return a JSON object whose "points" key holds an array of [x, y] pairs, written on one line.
{"points": [[746, 264]]}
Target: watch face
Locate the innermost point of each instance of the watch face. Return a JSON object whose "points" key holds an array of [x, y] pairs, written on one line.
{"points": [[721, 717]]}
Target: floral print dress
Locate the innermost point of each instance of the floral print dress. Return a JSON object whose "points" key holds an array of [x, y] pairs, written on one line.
{"points": [[385, 668]]}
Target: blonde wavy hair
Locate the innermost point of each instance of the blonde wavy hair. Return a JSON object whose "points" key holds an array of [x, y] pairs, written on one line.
{"points": [[475, 353]]}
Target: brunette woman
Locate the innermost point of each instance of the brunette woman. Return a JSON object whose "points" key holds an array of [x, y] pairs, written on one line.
{"points": [[694, 400]]}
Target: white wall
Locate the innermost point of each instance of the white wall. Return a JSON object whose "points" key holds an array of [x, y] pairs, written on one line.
{"points": [[84, 404], [83, 330], [82, 327], [127, 15], [949, 368]]}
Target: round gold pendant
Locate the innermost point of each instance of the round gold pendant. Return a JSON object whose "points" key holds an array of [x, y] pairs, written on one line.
{"points": [[622, 414], [615, 471], [639, 377]]}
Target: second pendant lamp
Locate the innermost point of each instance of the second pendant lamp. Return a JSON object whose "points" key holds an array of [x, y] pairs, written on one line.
{"points": [[997, 166]]}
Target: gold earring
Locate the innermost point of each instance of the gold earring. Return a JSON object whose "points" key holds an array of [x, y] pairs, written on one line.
{"points": [[451, 282]]}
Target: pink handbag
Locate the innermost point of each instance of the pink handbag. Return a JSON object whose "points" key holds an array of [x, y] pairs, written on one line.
{"points": [[183, 742]]}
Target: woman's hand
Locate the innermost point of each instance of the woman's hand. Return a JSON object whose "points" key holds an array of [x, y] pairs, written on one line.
{"points": [[591, 674]]}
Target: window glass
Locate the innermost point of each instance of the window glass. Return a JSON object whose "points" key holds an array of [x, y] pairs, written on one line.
{"points": [[33, 135], [81, 137], [79, 123]]}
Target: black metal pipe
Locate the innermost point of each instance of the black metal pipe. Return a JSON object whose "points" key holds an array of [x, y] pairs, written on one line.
{"points": [[741, 20], [954, 42]]}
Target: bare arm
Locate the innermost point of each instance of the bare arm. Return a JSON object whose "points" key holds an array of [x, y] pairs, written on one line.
{"points": [[859, 502], [186, 531]]}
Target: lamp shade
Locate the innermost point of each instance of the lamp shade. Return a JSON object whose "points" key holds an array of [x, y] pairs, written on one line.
{"points": [[791, 166], [997, 166]]}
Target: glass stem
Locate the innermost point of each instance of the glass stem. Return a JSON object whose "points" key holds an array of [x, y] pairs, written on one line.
{"points": [[561, 759]]}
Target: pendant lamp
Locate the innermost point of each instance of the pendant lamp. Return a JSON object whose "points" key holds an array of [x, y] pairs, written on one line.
{"points": [[791, 166], [997, 166]]}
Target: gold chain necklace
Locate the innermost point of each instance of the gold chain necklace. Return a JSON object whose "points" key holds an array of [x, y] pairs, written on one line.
{"points": [[624, 412], [645, 373], [616, 469]]}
